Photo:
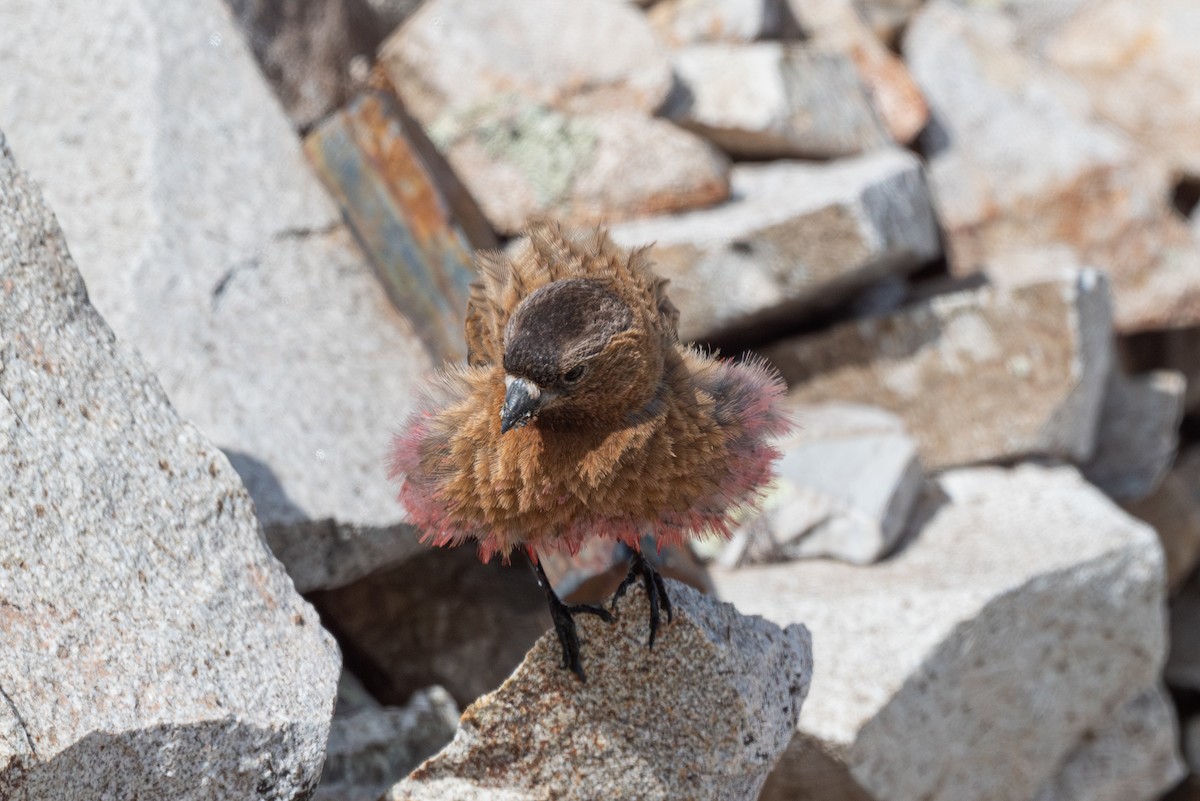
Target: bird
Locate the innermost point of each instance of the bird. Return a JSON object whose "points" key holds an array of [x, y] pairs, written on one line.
{"points": [[578, 414]]}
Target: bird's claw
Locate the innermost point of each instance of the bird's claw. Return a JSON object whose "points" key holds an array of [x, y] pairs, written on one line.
{"points": [[598, 611], [564, 623], [656, 591]]}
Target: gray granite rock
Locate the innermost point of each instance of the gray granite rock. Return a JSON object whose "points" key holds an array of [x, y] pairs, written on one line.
{"points": [[795, 235], [525, 162], [208, 245], [152, 644], [772, 100], [845, 487], [703, 715], [1025, 613], [586, 55], [1025, 181], [371, 749], [1132, 756], [1137, 434], [979, 375], [687, 22]]}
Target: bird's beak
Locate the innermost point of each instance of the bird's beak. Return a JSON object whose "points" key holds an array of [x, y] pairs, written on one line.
{"points": [[522, 400]]}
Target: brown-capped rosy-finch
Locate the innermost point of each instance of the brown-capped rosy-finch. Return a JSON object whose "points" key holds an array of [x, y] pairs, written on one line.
{"points": [[581, 415]]}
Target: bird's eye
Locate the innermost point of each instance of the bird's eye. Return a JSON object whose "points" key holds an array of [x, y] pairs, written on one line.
{"points": [[574, 374]]}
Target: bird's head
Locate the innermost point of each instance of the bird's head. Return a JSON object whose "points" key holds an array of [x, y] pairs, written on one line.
{"points": [[576, 354]]}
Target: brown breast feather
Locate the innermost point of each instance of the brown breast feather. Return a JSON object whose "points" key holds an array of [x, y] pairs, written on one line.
{"points": [[675, 469]]}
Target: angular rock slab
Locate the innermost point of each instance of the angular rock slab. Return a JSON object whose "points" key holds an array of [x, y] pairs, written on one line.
{"points": [[1133, 756], [795, 235], [208, 245], [526, 162], [979, 375], [1138, 433], [586, 55], [1026, 611], [702, 715], [774, 100], [151, 644], [845, 487], [1025, 181]]}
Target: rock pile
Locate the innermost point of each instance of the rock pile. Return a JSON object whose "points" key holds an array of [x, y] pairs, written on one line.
{"points": [[965, 233]]}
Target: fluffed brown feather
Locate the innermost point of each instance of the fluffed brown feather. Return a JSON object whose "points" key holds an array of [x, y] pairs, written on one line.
{"points": [[666, 441]]}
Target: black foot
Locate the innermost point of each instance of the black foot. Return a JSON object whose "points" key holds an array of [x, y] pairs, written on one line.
{"points": [[564, 622], [656, 590]]}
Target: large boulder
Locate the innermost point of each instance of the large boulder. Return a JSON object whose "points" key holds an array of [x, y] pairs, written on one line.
{"points": [[208, 245], [1022, 616], [702, 715], [151, 641]]}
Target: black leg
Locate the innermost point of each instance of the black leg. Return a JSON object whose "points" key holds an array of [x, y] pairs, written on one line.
{"points": [[564, 622], [656, 590]]}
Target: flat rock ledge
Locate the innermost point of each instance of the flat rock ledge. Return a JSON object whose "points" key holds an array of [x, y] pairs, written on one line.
{"points": [[705, 714]]}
